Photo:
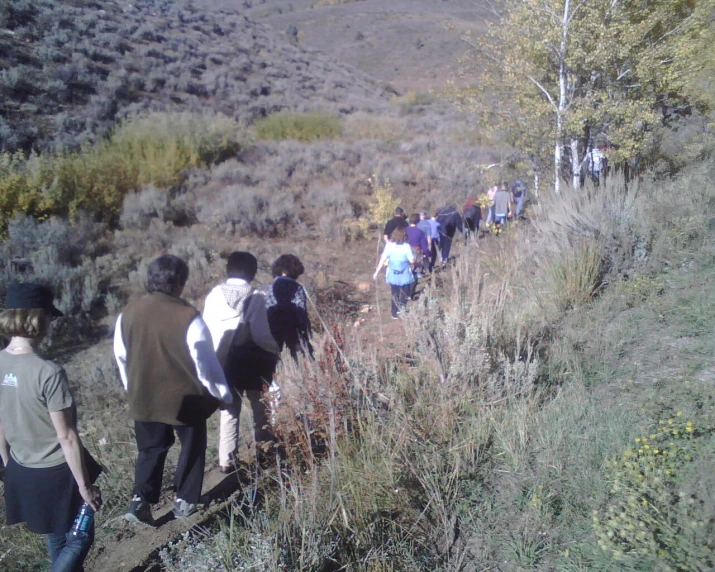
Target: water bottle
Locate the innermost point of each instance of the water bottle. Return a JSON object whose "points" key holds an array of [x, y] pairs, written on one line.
{"points": [[84, 520]]}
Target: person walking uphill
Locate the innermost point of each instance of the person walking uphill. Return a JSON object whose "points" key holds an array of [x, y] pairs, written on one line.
{"points": [[400, 258], [48, 473], [287, 306], [174, 382], [397, 221], [236, 316], [451, 222]]}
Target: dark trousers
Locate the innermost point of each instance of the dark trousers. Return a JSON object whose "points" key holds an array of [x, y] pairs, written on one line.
{"points": [[433, 254], [68, 551], [446, 242], [154, 441], [400, 295]]}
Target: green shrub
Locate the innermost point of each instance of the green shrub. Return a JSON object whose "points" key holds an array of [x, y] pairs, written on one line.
{"points": [[151, 150], [650, 518], [304, 127]]}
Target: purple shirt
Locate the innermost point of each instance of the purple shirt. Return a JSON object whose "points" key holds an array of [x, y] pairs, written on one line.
{"points": [[415, 237]]}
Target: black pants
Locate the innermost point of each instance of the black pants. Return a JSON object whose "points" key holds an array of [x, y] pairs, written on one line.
{"points": [[400, 295], [154, 441], [433, 254], [446, 242]]}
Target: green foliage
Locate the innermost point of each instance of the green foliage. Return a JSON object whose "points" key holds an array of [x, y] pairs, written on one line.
{"points": [[304, 127], [382, 206], [649, 519], [150, 150], [562, 73]]}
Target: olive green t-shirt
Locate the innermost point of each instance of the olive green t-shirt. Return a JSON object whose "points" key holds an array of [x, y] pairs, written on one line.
{"points": [[30, 388]]}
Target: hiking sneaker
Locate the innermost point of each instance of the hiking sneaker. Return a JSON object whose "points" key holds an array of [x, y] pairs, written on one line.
{"points": [[183, 509], [139, 512]]}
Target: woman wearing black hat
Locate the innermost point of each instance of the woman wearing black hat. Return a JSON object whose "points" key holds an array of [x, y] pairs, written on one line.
{"points": [[48, 474]]}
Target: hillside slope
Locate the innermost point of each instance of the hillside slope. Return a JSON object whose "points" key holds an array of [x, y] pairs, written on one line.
{"points": [[404, 42], [71, 69]]}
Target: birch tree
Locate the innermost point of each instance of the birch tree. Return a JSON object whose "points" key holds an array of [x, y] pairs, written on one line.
{"points": [[553, 74]]}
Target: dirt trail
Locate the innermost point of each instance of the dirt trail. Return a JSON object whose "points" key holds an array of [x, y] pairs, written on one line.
{"points": [[125, 546], [122, 546]]}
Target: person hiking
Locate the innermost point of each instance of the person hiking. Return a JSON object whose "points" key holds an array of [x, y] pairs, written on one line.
{"points": [[397, 221], [434, 244], [174, 382], [424, 225], [490, 195], [503, 205], [420, 247], [48, 473], [237, 318], [472, 218], [451, 221], [286, 301], [518, 192], [400, 258]]}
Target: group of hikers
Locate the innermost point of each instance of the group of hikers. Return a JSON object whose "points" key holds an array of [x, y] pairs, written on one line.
{"points": [[177, 365], [414, 245]]}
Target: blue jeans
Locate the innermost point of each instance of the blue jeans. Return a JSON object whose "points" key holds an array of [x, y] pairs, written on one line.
{"points": [[68, 552]]}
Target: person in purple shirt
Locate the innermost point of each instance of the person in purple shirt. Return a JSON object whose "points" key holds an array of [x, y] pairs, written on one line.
{"points": [[417, 239]]}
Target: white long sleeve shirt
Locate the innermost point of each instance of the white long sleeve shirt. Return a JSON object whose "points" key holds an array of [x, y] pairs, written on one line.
{"points": [[201, 348]]}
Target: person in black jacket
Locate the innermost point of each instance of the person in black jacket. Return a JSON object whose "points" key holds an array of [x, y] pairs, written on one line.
{"points": [[286, 301], [451, 221]]}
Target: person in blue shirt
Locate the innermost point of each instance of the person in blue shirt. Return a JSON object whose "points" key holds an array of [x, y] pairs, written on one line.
{"points": [[434, 227], [400, 259]]}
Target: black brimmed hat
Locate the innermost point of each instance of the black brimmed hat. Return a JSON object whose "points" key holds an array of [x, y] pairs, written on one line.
{"points": [[29, 296]]}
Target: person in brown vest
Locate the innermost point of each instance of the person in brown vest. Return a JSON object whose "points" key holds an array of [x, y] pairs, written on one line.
{"points": [[174, 382]]}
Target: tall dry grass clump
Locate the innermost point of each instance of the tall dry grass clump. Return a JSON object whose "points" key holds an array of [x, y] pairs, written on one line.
{"points": [[483, 441]]}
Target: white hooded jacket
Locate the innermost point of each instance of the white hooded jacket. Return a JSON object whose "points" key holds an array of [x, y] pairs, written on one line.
{"points": [[236, 307]]}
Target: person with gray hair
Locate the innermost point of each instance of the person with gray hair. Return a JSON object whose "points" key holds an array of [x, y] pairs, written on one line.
{"points": [[174, 382]]}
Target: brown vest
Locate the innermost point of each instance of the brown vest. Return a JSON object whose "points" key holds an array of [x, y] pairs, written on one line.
{"points": [[163, 384]]}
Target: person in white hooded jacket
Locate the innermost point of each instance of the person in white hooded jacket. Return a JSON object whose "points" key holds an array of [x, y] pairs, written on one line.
{"points": [[235, 314]]}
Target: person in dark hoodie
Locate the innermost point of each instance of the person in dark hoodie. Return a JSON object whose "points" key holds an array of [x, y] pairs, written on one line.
{"points": [[287, 306], [236, 316], [451, 221]]}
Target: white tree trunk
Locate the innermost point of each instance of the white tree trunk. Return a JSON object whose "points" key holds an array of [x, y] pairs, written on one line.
{"points": [[557, 156], [563, 101], [575, 165]]}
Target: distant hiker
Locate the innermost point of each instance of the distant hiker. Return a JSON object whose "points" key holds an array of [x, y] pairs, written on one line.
{"points": [[237, 317], [174, 382], [519, 191], [596, 164], [397, 221], [503, 205], [417, 239], [490, 195], [434, 244], [286, 301], [399, 257], [48, 473], [451, 221], [472, 218]]}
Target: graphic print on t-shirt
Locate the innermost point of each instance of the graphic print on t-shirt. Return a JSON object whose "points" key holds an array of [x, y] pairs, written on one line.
{"points": [[10, 380]]}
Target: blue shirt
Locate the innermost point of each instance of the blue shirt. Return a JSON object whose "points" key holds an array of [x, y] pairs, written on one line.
{"points": [[399, 265]]}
